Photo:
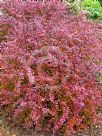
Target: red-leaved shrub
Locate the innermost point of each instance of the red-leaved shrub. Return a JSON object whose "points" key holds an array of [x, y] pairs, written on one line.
{"points": [[48, 66]]}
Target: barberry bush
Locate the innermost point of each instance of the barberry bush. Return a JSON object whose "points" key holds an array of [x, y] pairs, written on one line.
{"points": [[48, 65]]}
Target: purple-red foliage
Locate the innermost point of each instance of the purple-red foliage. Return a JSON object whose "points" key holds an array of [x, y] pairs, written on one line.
{"points": [[48, 62]]}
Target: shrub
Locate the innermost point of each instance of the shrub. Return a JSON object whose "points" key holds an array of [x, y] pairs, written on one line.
{"points": [[100, 2], [73, 7], [93, 7], [48, 65]]}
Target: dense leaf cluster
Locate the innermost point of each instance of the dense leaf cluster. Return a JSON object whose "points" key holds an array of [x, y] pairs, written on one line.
{"points": [[48, 62], [93, 7]]}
